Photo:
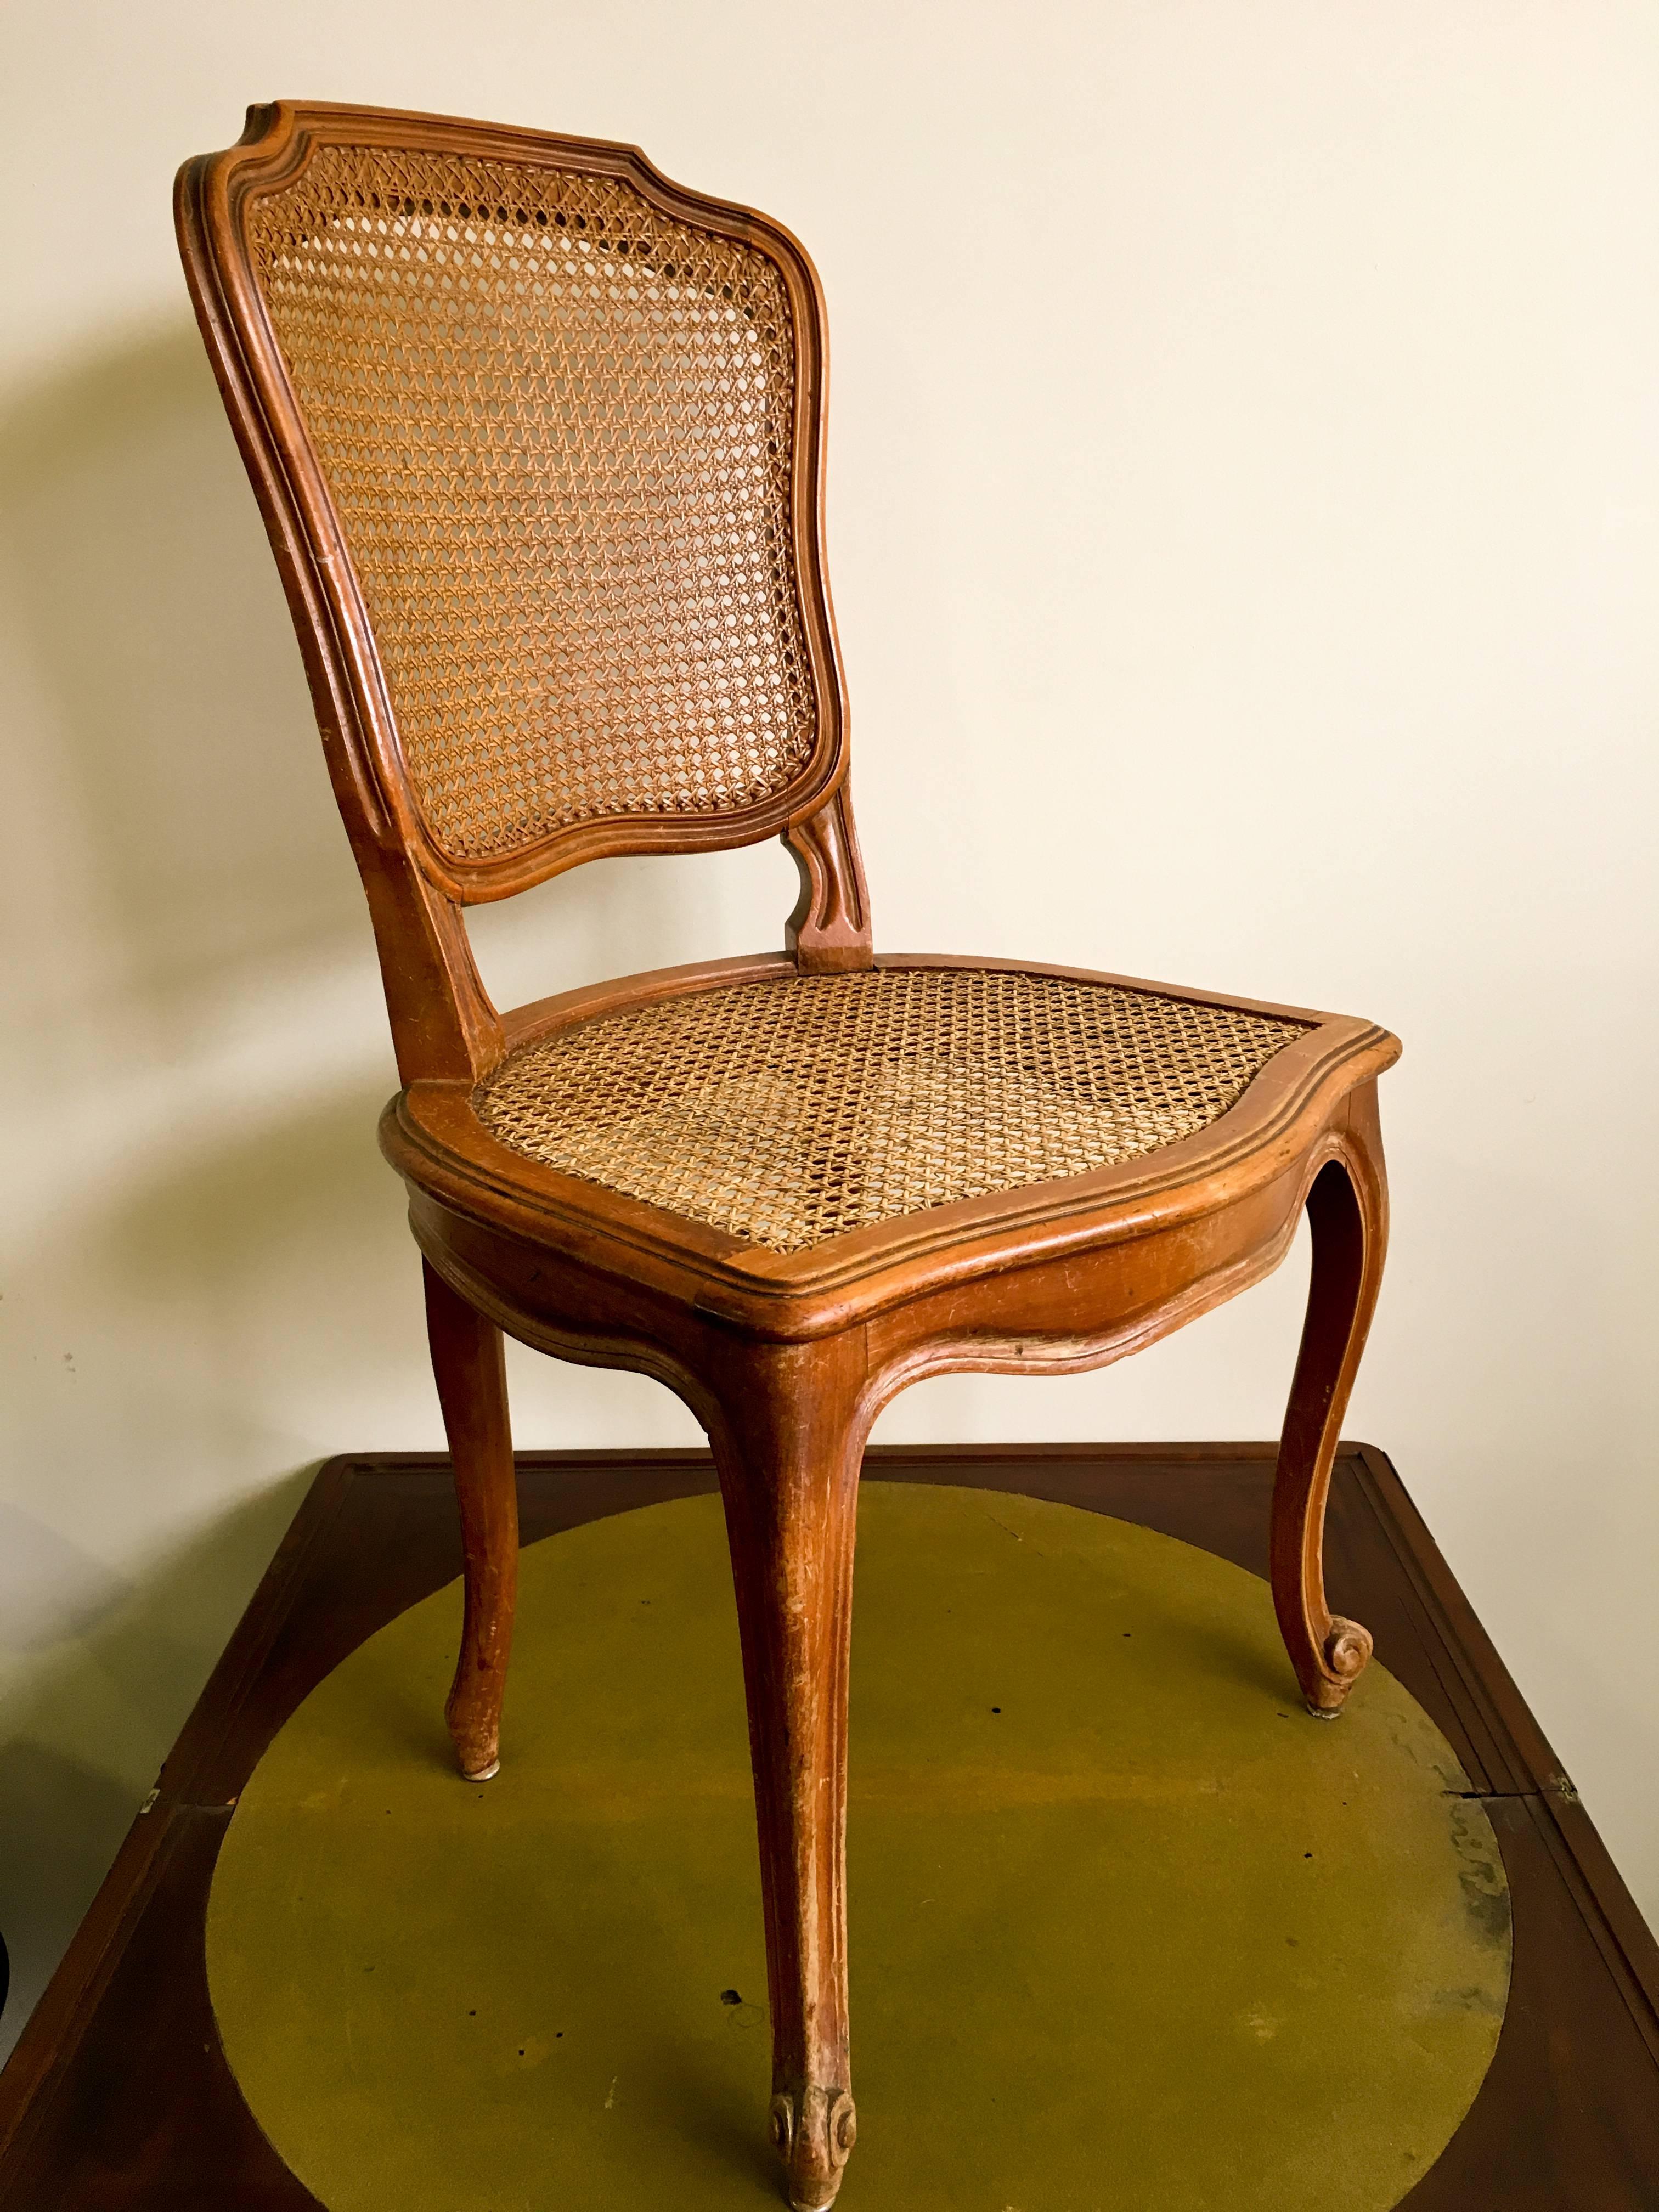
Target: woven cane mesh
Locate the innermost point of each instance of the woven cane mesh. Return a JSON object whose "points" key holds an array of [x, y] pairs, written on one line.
{"points": [[788, 1111], [556, 426]]}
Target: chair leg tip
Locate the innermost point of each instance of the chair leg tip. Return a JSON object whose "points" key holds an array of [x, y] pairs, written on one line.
{"points": [[813, 2132], [1329, 1673], [475, 1737]]}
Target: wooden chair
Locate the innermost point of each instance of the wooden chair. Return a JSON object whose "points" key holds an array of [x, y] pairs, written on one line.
{"points": [[537, 437]]}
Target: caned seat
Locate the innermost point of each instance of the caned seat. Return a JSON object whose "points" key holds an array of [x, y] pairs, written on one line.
{"points": [[537, 437], [789, 1110]]}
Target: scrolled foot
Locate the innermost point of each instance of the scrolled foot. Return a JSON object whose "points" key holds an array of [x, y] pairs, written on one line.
{"points": [[1346, 1649], [813, 2131]]}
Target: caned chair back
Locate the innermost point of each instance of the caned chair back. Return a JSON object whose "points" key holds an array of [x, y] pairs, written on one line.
{"points": [[539, 436]]}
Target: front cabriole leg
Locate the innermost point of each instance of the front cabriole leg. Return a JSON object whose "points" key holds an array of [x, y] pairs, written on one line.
{"points": [[788, 1439], [1348, 1214]]}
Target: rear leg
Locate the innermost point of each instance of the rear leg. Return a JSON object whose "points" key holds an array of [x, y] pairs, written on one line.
{"points": [[469, 1367]]}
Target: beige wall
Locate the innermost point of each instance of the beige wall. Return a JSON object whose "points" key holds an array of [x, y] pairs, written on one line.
{"points": [[1245, 528]]}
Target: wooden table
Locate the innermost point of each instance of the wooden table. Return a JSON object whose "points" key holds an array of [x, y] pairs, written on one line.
{"points": [[118, 2093]]}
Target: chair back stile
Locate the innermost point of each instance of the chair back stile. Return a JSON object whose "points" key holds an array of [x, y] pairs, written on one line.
{"points": [[538, 436]]}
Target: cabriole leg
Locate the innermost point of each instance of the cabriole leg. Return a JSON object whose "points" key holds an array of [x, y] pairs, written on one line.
{"points": [[1347, 1211], [469, 1367], [789, 1443]]}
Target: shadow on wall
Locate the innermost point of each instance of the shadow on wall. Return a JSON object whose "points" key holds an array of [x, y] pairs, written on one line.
{"points": [[62, 1814], [206, 1278], [157, 634], [271, 1287], [183, 887], [262, 1301], [176, 851], [182, 743]]}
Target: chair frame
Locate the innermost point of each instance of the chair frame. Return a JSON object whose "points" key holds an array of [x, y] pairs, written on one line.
{"points": [[784, 1359]]}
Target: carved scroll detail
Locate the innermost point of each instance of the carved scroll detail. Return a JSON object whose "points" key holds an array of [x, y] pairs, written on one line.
{"points": [[1347, 1648], [828, 931], [1344, 1656], [813, 2131]]}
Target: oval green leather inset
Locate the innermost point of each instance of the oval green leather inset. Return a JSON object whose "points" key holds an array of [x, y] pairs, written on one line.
{"points": [[1130, 1932]]}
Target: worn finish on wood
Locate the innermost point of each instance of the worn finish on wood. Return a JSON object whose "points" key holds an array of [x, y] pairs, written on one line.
{"points": [[118, 2095], [788, 1437], [328, 232]]}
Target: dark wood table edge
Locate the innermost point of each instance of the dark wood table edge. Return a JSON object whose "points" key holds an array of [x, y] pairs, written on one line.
{"points": [[1598, 1889], [51, 2035], [1527, 1766]]}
